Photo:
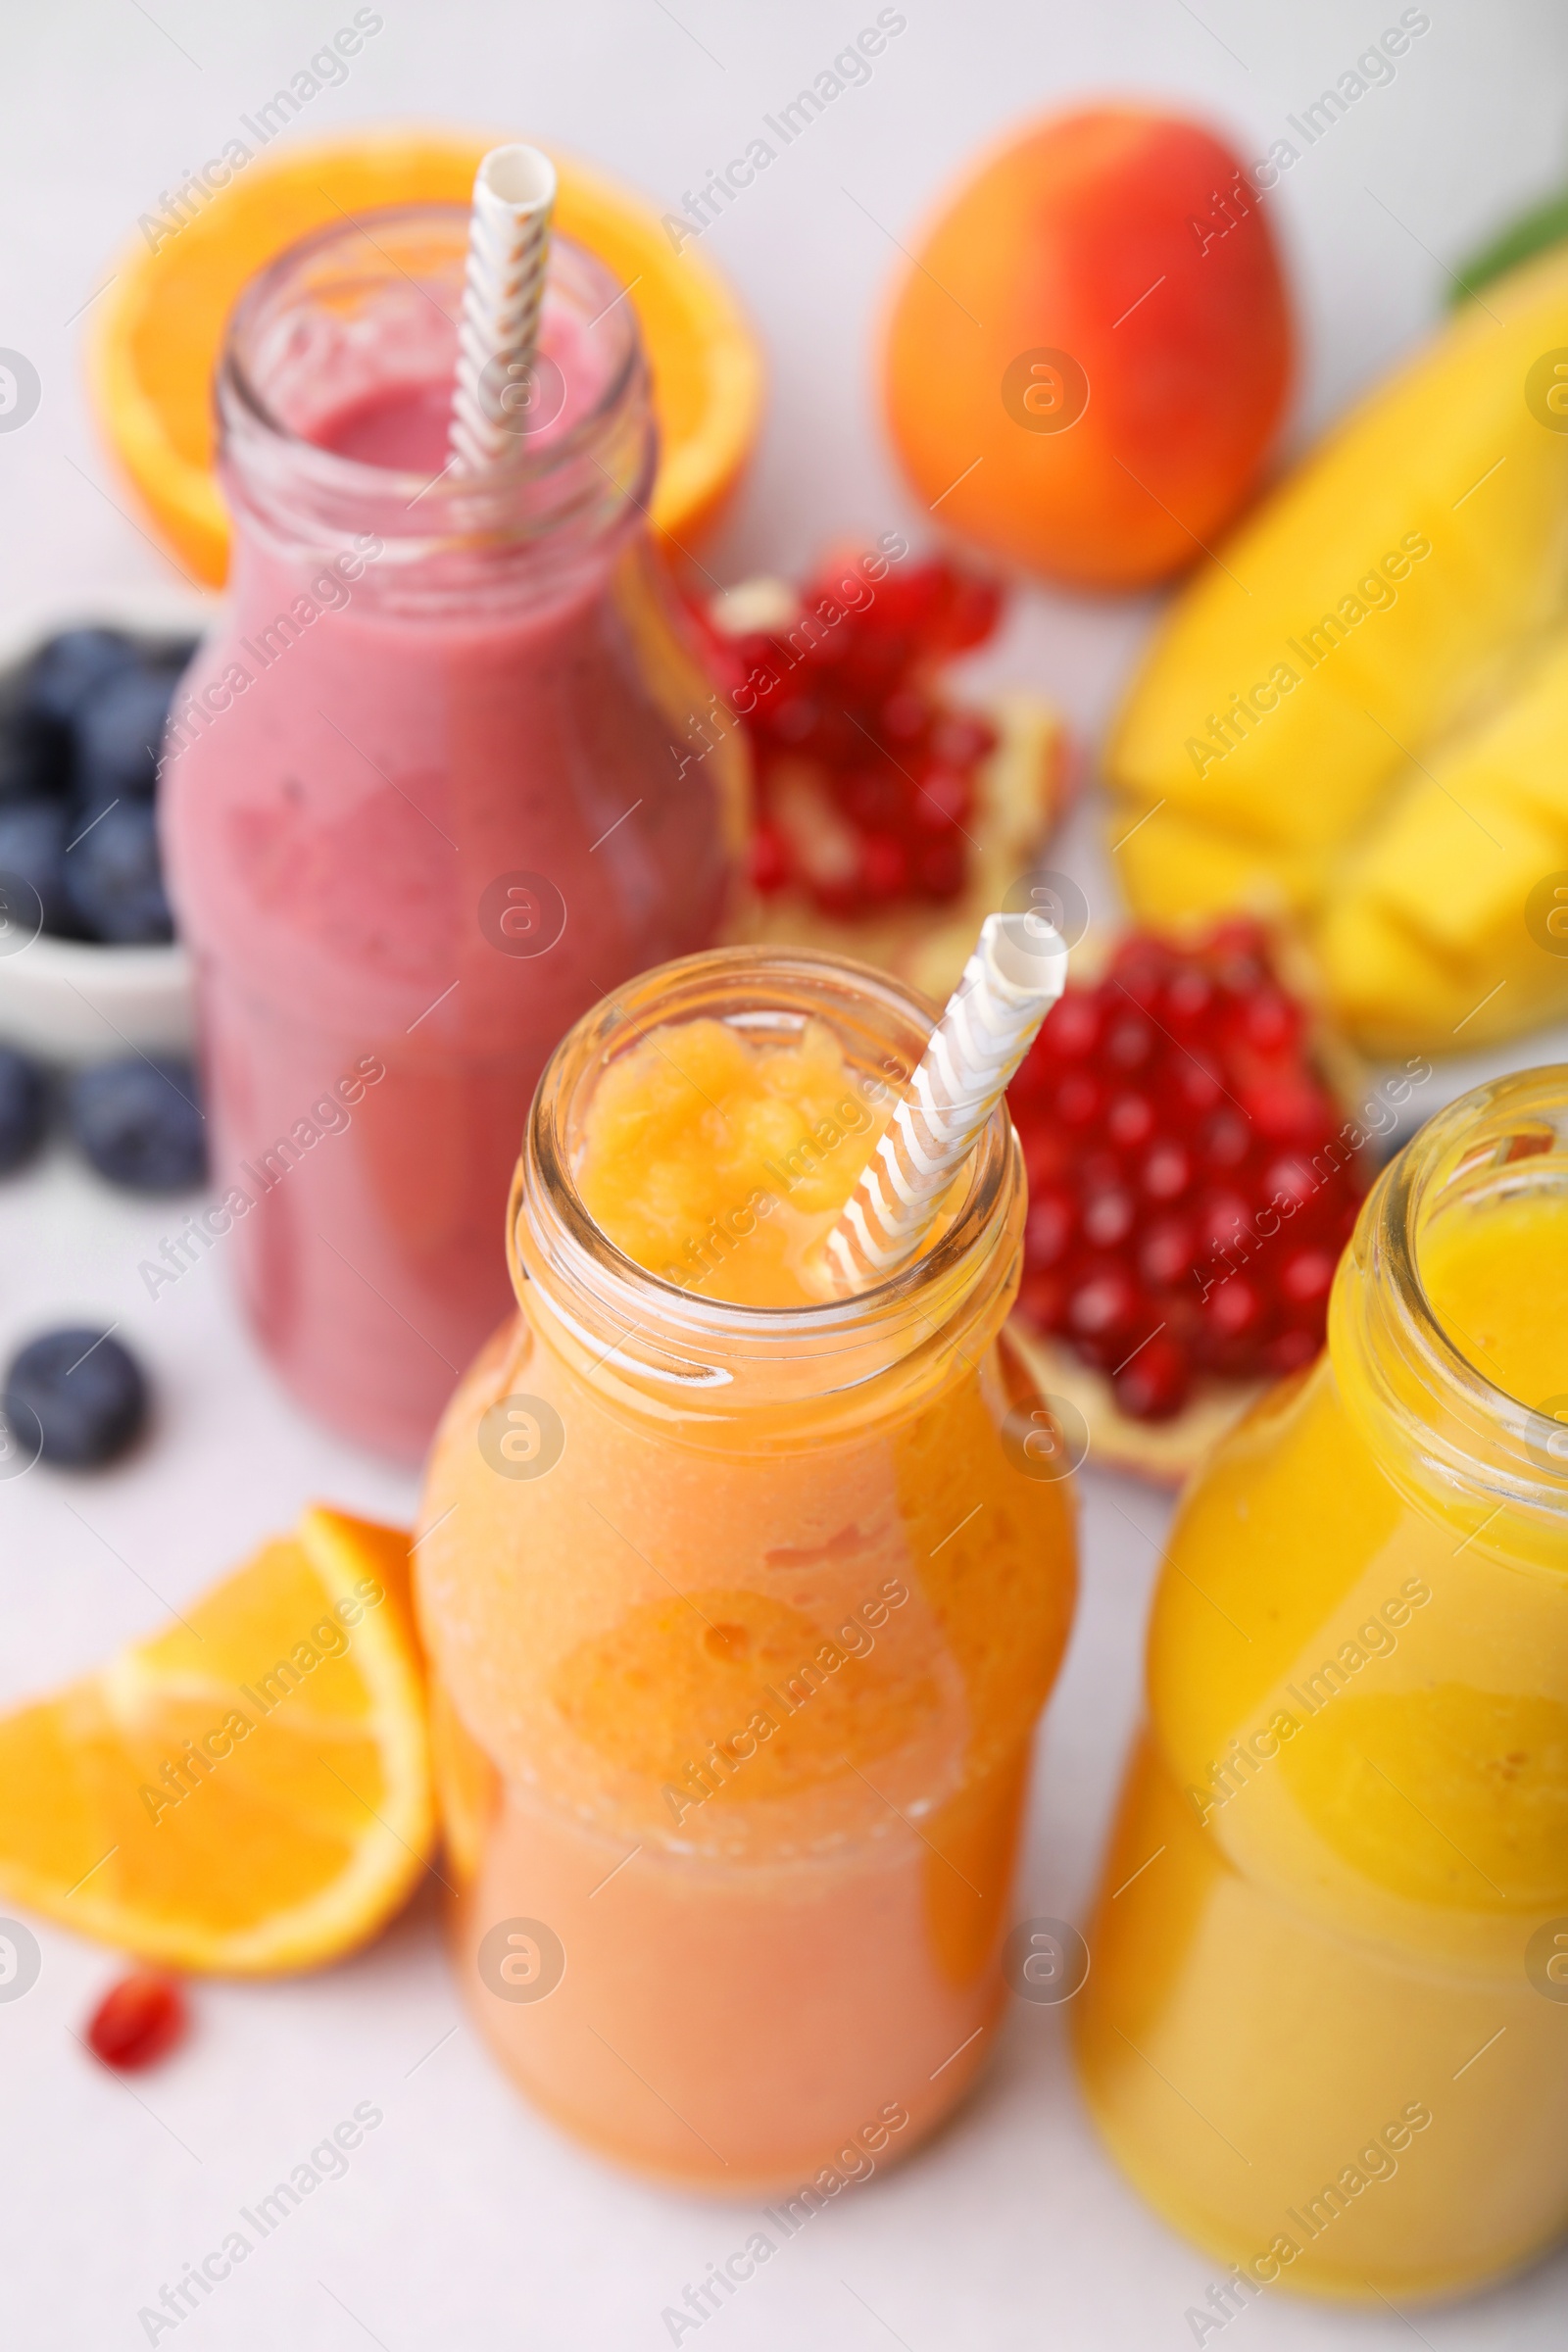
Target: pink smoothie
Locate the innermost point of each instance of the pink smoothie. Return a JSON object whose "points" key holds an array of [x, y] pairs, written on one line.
{"points": [[363, 779]]}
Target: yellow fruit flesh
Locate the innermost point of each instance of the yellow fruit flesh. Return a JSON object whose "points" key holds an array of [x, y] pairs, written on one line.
{"points": [[248, 1791], [1423, 542]]}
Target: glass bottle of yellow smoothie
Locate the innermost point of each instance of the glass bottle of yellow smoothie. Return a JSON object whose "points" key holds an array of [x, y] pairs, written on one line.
{"points": [[742, 1601], [1326, 2025]]}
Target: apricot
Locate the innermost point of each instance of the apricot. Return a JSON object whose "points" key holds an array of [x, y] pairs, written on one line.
{"points": [[1086, 364]]}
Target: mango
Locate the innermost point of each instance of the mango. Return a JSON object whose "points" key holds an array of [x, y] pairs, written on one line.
{"points": [[1355, 717]]}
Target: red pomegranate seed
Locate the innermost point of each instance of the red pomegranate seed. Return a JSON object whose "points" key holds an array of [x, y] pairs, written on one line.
{"points": [[137, 2022], [1074, 1029], [1226, 1139], [1167, 1253], [1157, 1383], [1307, 1277], [1130, 1121], [1166, 1173], [1233, 1309], [943, 801], [1108, 1217], [1189, 998], [1197, 1085], [1287, 1110], [1293, 1179], [1129, 1041], [1105, 1304]]}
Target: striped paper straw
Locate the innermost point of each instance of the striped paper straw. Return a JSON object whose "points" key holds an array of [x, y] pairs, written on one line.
{"points": [[1010, 984], [508, 243]]}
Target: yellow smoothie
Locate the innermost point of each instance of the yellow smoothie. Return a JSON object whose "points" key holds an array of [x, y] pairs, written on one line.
{"points": [[737, 1695], [1320, 2031]]}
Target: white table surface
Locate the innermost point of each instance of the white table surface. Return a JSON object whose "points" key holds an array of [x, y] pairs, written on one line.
{"points": [[465, 2221]]}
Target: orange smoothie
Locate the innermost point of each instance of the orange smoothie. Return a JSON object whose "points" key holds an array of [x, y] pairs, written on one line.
{"points": [[1326, 2028], [742, 1601]]}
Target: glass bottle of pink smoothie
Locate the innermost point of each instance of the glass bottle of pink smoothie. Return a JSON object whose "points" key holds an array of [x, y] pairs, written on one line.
{"points": [[420, 803]]}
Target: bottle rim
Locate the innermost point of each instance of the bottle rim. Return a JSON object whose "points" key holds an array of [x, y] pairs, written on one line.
{"points": [[536, 491], [1464, 1429], [552, 1239]]}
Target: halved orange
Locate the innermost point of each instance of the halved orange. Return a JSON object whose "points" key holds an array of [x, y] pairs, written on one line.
{"points": [[249, 1791], [153, 353]]}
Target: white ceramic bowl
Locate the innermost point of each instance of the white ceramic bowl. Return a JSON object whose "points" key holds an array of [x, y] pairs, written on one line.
{"points": [[72, 999]]}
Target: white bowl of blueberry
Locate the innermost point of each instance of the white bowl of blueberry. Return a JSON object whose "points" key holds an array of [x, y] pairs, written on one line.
{"points": [[89, 964]]}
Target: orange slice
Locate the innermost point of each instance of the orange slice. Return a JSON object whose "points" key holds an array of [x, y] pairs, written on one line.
{"points": [[152, 357], [249, 1791]]}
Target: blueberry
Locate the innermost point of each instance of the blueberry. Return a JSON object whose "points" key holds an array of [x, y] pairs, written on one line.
{"points": [[114, 880], [139, 1123], [34, 754], [119, 729], [33, 849], [79, 1392], [68, 668], [23, 1108]]}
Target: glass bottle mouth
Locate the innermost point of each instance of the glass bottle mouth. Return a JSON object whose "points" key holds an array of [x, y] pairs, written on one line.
{"points": [[1458, 1428], [374, 302], [658, 1332]]}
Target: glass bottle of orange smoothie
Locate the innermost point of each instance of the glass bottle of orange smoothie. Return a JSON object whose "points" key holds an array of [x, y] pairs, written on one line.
{"points": [[742, 1603], [1326, 2025]]}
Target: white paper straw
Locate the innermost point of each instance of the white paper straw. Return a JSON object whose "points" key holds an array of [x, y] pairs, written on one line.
{"points": [[509, 244], [1016, 973]]}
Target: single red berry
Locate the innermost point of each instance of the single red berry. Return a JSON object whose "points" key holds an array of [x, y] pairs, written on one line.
{"points": [[1196, 1085], [1072, 1031], [1307, 1277], [1225, 1140], [1155, 1384], [1103, 1305], [138, 2021], [1166, 1170], [941, 800], [1292, 1180], [1130, 1121], [1187, 998], [1167, 1253], [1234, 1307], [1108, 1216], [1129, 1041]]}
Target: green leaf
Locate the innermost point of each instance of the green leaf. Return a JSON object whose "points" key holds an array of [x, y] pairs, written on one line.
{"points": [[1544, 225]]}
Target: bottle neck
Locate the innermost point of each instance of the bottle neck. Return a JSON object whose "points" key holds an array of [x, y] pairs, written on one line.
{"points": [[331, 400], [1443, 1431], [789, 1377]]}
